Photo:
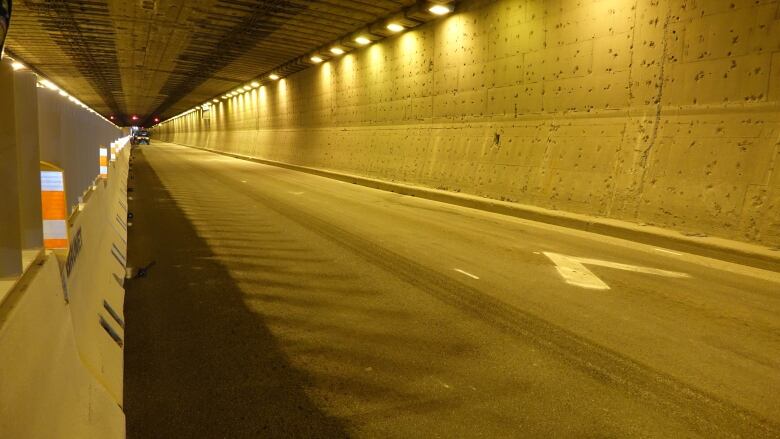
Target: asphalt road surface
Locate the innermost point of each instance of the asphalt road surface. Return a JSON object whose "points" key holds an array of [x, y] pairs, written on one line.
{"points": [[283, 304]]}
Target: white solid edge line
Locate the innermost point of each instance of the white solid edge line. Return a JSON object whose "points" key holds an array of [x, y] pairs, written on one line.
{"points": [[466, 273]]}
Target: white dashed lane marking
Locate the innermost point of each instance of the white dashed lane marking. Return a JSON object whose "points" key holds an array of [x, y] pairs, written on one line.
{"points": [[466, 273], [663, 250]]}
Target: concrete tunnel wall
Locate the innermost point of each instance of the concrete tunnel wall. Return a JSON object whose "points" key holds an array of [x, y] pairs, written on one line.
{"points": [[664, 112]]}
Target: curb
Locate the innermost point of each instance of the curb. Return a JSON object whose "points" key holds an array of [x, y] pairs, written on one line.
{"points": [[718, 248]]}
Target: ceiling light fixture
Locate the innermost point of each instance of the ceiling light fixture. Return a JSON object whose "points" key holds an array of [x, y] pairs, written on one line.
{"points": [[255, 84], [16, 65], [316, 59], [362, 40], [439, 10], [247, 88], [395, 27], [273, 76], [337, 50]]}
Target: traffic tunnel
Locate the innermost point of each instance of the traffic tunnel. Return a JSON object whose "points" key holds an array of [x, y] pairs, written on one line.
{"points": [[396, 218]]}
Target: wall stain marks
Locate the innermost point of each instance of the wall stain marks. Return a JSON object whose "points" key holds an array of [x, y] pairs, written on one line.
{"points": [[630, 134]]}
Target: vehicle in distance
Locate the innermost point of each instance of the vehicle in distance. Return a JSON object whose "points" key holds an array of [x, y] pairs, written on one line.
{"points": [[141, 137]]}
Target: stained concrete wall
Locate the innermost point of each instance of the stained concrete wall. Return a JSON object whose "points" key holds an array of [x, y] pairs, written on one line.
{"points": [[663, 112]]}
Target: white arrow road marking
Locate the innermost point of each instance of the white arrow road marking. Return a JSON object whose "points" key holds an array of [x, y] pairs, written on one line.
{"points": [[573, 270]]}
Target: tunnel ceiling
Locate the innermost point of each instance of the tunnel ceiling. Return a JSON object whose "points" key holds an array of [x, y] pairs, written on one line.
{"points": [[157, 58]]}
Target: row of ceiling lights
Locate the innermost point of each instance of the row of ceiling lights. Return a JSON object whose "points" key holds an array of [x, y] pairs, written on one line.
{"points": [[45, 83], [394, 27]]}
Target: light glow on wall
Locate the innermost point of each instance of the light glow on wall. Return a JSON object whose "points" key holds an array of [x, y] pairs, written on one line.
{"points": [[409, 43], [376, 54], [325, 76], [263, 95]]}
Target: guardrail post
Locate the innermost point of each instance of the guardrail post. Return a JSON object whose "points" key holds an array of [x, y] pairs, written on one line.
{"points": [[10, 230]]}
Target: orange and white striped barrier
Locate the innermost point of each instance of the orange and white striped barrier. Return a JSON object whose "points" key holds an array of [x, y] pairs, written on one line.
{"points": [[104, 162], [54, 207]]}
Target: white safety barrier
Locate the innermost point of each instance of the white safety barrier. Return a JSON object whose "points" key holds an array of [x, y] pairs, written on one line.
{"points": [[95, 271], [62, 326]]}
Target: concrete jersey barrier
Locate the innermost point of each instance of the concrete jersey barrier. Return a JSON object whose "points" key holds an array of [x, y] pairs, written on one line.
{"points": [[62, 326]]}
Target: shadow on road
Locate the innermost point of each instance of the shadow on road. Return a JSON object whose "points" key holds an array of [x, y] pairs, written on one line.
{"points": [[198, 362]]}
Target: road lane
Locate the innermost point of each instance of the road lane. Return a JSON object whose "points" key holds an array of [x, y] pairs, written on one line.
{"points": [[359, 292]]}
